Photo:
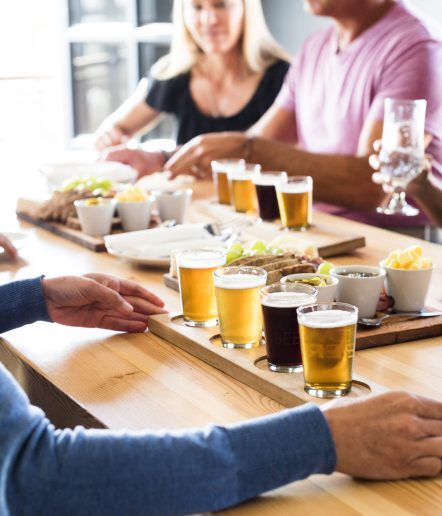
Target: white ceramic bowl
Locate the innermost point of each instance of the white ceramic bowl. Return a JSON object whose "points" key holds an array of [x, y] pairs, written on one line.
{"points": [[408, 288], [326, 294], [95, 219], [135, 215], [361, 292]]}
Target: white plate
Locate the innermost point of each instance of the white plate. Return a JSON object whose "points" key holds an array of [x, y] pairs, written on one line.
{"points": [[153, 246], [57, 173], [17, 238], [151, 262]]}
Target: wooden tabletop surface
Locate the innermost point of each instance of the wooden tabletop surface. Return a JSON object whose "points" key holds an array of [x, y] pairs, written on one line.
{"points": [[102, 379]]}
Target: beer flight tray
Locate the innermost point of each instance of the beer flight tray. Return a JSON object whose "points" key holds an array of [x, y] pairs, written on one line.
{"points": [[250, 366]]}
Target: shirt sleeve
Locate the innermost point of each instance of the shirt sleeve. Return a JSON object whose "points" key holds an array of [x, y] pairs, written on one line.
{"points": [[286, 97], [416, 73], [164, 95], [48, 471], [22, 302]]}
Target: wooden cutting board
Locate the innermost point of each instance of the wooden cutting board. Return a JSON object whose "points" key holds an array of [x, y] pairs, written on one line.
{"points": [[329, 239]]}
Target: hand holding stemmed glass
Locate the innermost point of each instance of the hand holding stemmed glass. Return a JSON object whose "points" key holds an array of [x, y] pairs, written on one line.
{"points": [[402, 154]]}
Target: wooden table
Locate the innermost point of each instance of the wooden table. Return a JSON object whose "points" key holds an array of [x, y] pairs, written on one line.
{"points": [[102, 379]]}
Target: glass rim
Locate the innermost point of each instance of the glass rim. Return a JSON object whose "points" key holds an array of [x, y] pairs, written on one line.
{"points": [[270, 178], [217, 258], [390, 100], [354, 309], [289, 288], [241, 269]]}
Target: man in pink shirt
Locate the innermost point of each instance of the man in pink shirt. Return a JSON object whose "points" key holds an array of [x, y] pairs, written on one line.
{"points": [[330, 109]]}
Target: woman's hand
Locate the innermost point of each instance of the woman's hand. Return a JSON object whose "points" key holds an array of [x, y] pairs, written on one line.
{"points": [[143, 162], [8, 246], [100, 301], [196, 155], [109, 136]]}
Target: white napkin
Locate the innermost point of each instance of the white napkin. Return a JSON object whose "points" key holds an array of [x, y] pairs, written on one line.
{"points": [[160, 242]]}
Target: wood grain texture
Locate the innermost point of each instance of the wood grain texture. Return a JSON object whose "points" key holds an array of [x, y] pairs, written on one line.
{"points": [[142, 381]]}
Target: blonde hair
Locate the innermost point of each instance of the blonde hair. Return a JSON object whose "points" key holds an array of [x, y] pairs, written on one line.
{"points": [[259, 48]]}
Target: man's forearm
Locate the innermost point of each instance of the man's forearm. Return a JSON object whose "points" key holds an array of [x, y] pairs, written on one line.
{"points": [[338, 179]]}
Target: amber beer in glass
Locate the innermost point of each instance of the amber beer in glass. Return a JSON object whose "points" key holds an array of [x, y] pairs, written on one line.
{"points": [[327, 332], [239, 308], [220, 171], [279, 304], [197, 290], [295, 202], [242, 188], [265, 185]]}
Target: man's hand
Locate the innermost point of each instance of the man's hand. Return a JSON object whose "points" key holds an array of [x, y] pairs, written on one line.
{"points": [[100, 301], [143, 162], [8, 246], [196, 155], [389, 436]]}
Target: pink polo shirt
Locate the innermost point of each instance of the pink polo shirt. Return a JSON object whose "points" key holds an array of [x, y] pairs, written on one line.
{"points": [[333, 92]]}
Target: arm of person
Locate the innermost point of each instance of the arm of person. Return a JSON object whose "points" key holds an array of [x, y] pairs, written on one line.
{"points": [[104, 472], [132, 117], [390, 436], [337, 178], [94, 300]]}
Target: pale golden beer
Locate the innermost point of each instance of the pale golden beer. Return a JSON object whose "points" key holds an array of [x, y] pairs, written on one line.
{"points": [[220, 172], [197, 290], [327, 333], [239, 307], [243, 190], [295, 202]]}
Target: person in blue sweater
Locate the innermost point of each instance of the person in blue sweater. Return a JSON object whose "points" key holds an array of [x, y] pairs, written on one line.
{"points": [[48, 471]]}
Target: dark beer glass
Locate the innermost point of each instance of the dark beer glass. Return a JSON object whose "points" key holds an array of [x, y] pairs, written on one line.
{"points": [[279, 304], [265, 185]]}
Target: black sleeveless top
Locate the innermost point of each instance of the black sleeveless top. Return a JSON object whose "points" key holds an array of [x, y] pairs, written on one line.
{"points": [[173, 96]]}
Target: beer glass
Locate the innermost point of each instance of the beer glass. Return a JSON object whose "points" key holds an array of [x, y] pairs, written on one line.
{"points": [[295, 202], [403, 151], [279, 303], [220, 170], [239, 310], [197, 290], [265, 185], [242, 187], [327, 332]]}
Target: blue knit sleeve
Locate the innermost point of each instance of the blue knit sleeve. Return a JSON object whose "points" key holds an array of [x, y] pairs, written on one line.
{"points": [[48, 471], [22, 302]]}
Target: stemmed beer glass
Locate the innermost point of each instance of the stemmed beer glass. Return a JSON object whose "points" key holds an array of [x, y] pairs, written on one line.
{"points": [[403, 151]]}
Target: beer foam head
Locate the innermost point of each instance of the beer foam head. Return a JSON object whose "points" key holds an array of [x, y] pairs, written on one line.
{"points": [[296, 186], [287, 299], [327, 318], [269, 179], [201, 259], [240, 281]]}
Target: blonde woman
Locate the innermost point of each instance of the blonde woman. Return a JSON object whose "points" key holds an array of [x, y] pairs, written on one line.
{"points": [[223, 72]]}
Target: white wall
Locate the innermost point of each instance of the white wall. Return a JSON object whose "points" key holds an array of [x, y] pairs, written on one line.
{"points": [[290, 24]]}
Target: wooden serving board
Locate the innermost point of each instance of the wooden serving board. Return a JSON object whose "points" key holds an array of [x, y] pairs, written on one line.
{"points": [[74, 235], [330, 240], [246, 365], [250, 367]]}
